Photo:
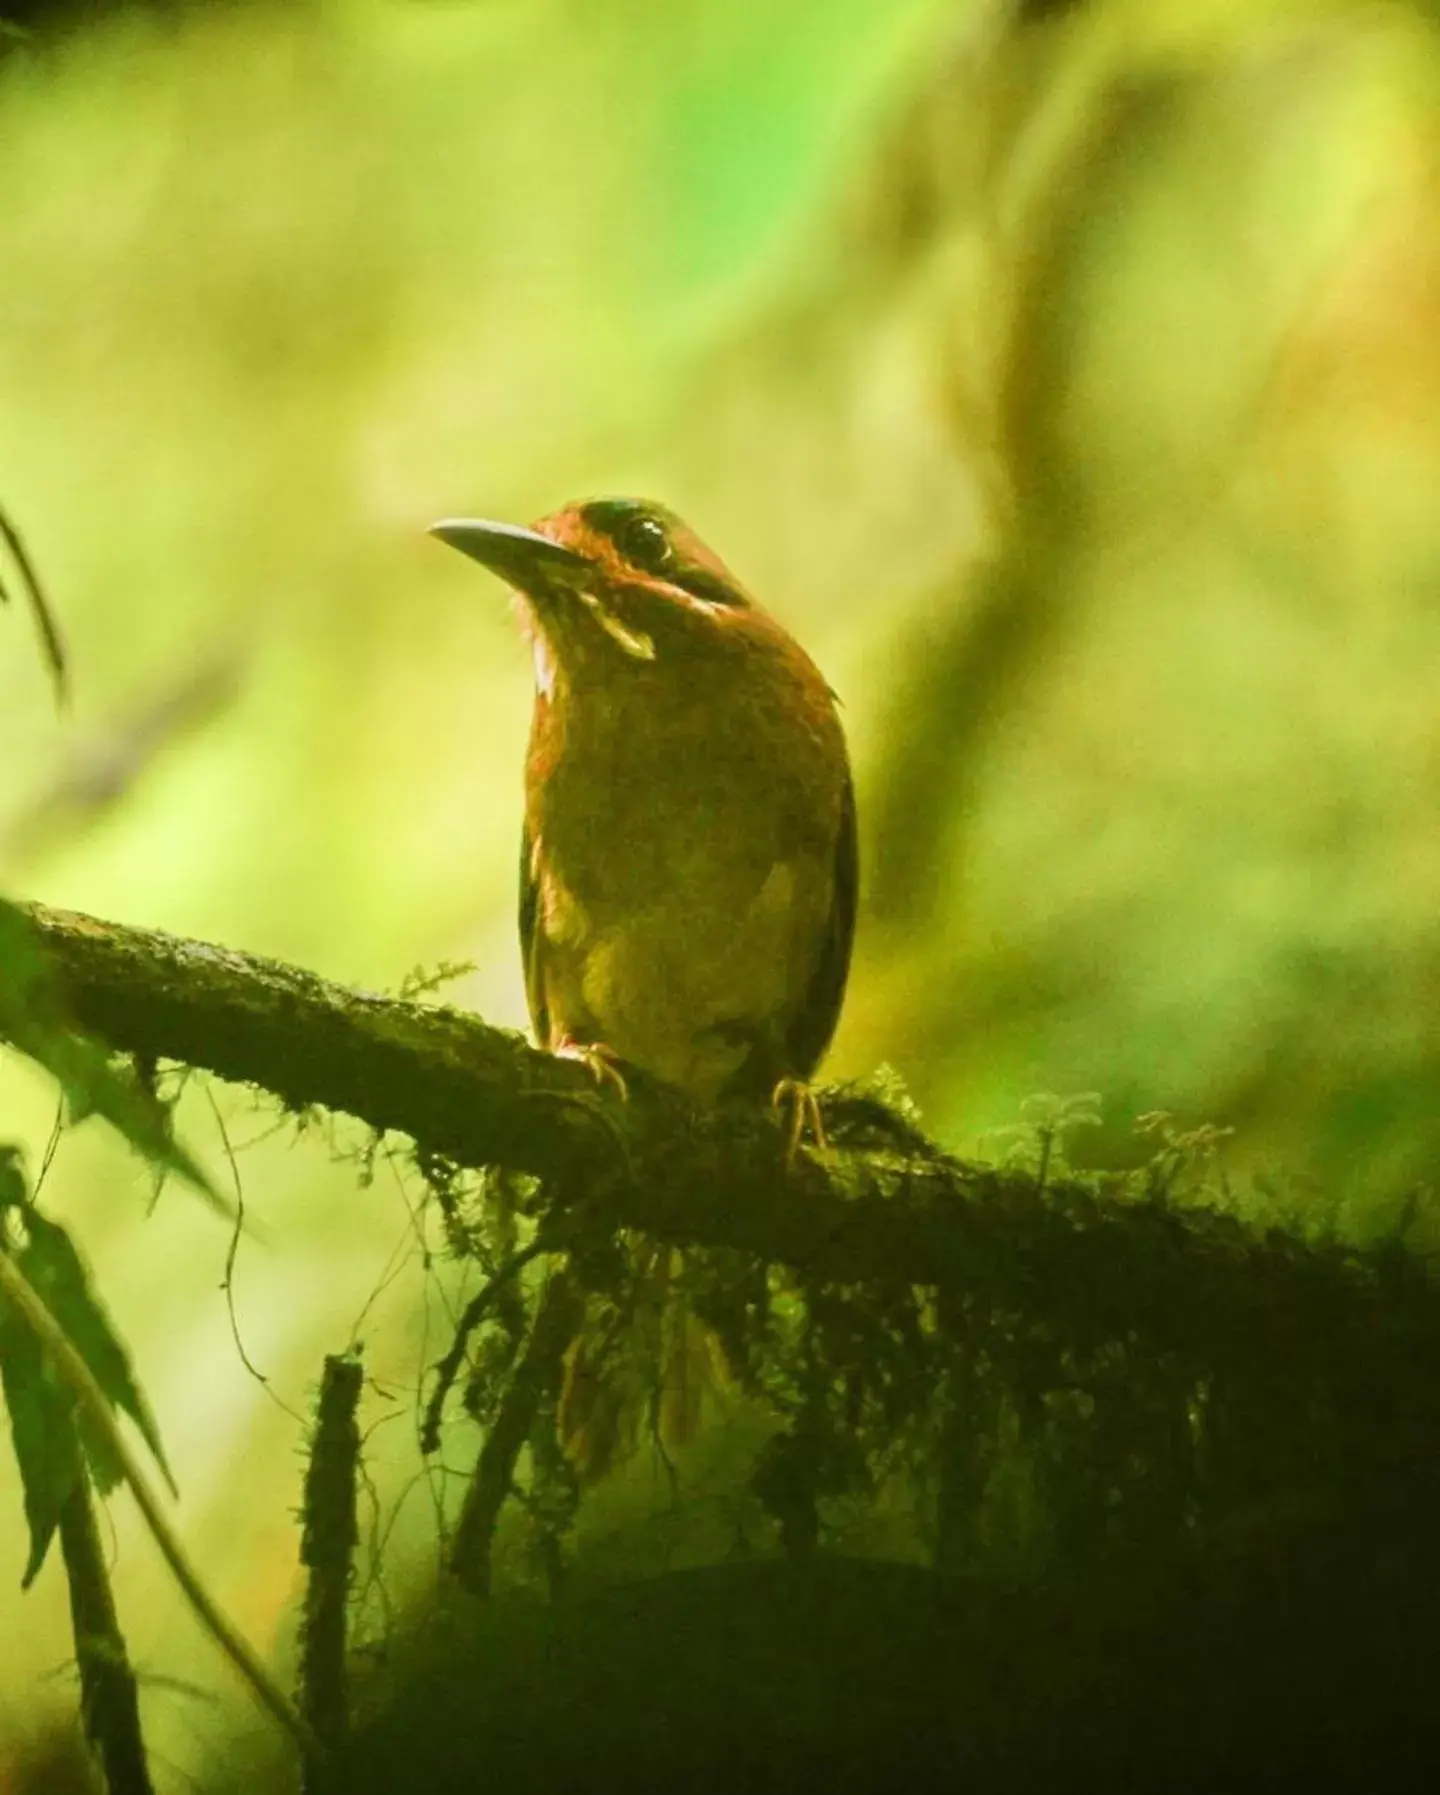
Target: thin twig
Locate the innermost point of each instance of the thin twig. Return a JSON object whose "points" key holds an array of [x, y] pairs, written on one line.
{"points": [[232, 1252], [57, 1128], [109, 1699], [448, 1368], [50, 636], [536, 1377]]}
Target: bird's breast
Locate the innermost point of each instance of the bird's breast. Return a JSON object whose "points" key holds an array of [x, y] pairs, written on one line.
{"points": [[679, 795], [683, 859]]}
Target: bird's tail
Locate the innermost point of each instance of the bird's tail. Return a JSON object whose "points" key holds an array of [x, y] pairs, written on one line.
{"points": [[644, 1365]]}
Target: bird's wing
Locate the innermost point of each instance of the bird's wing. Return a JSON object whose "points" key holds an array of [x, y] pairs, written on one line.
{"points": [[819, 1010], [531, 939]]}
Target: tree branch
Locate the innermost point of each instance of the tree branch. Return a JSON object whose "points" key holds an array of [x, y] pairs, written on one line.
{"points": [[481, 1096], [900, 1212]]}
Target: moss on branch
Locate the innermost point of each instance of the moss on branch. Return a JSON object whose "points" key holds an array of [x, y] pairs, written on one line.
{"points": [[889, 1209]]}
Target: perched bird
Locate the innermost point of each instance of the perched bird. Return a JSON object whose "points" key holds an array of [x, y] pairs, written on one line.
{"points": [[687, 879], [688, 869]]}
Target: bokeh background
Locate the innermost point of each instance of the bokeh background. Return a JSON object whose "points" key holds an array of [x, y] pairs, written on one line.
{"points": [[1067, 376]]}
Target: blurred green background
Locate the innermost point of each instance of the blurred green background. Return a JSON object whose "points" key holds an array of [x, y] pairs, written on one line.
{"points": [[1066, 376]]}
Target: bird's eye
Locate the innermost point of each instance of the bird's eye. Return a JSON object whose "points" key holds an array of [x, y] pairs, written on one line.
{"points": [[645, 543]]}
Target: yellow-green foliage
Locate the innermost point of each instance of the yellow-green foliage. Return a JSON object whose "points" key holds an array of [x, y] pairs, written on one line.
{"points": [[1065, 376]]}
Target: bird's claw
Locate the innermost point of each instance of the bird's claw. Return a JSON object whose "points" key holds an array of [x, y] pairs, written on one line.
{"points": [[602, 1062], [794, 1096]]}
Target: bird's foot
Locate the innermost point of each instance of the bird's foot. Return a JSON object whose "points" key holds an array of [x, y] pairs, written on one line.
{"points": [[797, 1101], [602, 1062]]}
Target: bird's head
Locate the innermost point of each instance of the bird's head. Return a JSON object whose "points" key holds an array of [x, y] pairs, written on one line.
{"points": [[610, 584]]}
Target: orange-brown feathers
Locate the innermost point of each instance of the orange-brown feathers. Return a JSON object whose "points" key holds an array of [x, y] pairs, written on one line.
{"points": [[689, 878]]}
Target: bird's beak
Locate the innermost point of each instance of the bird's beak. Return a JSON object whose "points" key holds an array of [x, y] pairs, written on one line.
{"points": [[533, 564], [522, 558]]}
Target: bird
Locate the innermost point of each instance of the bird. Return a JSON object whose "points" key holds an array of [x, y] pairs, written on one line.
{"points": [[688, 865]]}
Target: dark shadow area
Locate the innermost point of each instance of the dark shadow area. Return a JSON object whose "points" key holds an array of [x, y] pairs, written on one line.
{"points": [[1302, 1662]]}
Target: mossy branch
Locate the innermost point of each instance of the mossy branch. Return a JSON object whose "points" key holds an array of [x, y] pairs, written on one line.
{"points": [[888, 1208], [480, 1096]]}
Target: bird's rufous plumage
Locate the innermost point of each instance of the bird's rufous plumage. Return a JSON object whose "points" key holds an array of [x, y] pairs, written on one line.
{"points": [[688, 868]]}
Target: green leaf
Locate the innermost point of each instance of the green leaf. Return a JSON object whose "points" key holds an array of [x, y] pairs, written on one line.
{"points": [[60, 1279], [52, 1445], [42, 1432], [33, 1019]]}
